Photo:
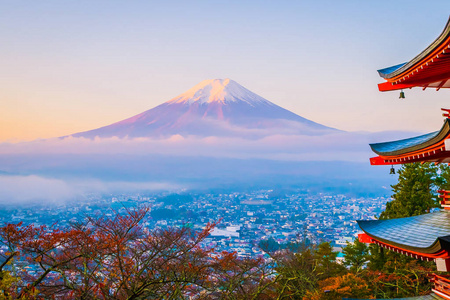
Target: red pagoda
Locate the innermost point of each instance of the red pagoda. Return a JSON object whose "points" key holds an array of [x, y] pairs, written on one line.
{"points": [[431, 147], [429, 69], [424, 237]]}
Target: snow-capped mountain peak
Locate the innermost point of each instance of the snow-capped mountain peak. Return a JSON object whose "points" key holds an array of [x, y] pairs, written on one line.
{"points": [[218, 90], [217, 107]]}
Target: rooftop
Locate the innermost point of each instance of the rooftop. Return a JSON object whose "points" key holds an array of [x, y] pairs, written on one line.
{"points": [[428, 69], [427, 233], [428, 147]]}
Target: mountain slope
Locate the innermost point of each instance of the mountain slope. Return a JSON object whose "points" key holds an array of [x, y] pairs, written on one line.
{"points": [[219, 107]]}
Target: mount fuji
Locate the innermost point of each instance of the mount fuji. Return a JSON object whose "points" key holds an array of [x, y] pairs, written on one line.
{"points": [[217, 107]]}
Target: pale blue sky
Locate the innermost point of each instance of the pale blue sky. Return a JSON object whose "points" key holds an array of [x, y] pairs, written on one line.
{"points": [[69, 66]]}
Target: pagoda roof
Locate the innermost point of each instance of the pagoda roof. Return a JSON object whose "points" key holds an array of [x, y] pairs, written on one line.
{"points": [[428, 69], [427, 147], [426, 234], [389, 70]]}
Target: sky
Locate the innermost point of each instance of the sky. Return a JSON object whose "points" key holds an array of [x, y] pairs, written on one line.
{"points": [[71, 66]]}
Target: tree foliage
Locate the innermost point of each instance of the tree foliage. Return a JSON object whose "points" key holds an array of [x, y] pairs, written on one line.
{"points": [[301, 272], [117, 258], [415, 192], [335, 288], [357, 255]]}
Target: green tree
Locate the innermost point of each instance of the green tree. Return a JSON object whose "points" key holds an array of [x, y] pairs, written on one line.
{"points": [[326, 265], [414, 194], [7, 282], [443, 181], [300, 273], [377, 257], [356, 256], [400, 276], [270, 245], [296, 273]]}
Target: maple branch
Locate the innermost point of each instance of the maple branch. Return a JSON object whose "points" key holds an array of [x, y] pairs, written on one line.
{"points": [[8, 259]]}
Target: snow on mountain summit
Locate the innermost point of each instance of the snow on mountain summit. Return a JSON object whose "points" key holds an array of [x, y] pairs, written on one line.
{"points": [[218, 90], [216, 107]]}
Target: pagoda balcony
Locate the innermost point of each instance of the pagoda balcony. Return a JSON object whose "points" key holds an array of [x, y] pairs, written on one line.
{"points": [[441, 285], [445, 196]]}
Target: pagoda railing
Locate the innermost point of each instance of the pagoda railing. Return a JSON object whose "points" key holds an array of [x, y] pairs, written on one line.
{"points": [[445, 196], [441, 285]]}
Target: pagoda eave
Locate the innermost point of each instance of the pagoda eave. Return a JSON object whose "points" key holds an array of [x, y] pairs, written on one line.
{"points": [[429, 69], [388, 86], [424, 236], [442, 254], [440, 82], [432, 147], [438, 156]]}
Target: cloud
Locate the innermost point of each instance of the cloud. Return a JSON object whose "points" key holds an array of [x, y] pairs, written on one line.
{"points": [[344, 146], [71, 168], [338, 146], [38, 189], [22, 189]]}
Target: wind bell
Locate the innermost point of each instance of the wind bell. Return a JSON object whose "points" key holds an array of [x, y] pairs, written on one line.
{"points": [[402, 95], [392, 170]]}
